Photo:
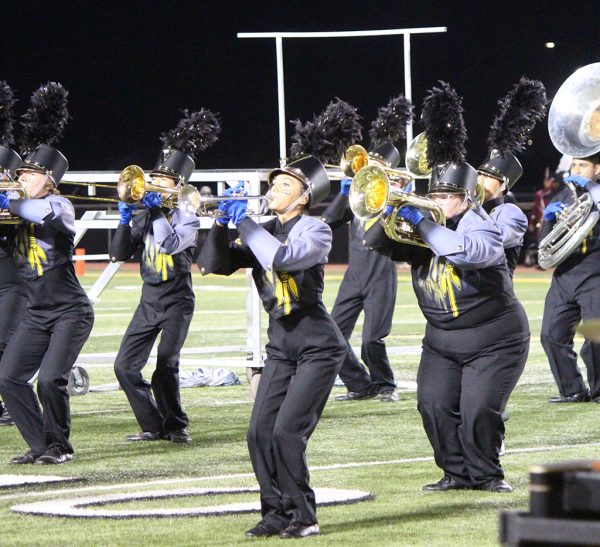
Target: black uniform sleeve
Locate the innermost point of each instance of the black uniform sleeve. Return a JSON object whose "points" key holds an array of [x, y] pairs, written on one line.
{"points": [[338, 212], [376, 239], [126, 240], [219, 256]]}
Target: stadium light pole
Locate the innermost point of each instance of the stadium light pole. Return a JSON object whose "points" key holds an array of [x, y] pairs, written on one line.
{"points": [[279, 36]]}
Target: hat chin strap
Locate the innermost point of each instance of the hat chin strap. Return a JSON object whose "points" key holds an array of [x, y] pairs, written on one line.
{"points": [[296, 201]]}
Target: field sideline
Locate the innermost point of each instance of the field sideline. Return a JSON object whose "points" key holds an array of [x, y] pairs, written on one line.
{"points": [[365, 445]]}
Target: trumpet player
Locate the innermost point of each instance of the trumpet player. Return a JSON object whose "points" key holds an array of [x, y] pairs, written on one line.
{"points": [[574, 294], [59, 317], [168, 240], [305, 349], [477, 337]]}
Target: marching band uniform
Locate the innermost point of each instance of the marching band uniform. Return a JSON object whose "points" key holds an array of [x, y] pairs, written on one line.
{"points": [[369, 285], [477, 337], [58, 320], [13, 300], [168, 238], [574, 295], [304, 352]]}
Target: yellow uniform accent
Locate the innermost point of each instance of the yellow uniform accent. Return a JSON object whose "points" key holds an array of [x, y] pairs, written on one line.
{"points": [[28, 249], [159, 262], [440, 283], [284, 285]]}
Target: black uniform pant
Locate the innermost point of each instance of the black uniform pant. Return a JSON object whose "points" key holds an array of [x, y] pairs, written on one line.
{"points": [[304, 355], [464, 380], [51, 347], [570, 299], [13, 304], [373, 291], [161, 413]]}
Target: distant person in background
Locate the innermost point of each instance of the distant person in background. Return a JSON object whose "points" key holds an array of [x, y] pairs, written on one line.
{"points": [[550, 185]]}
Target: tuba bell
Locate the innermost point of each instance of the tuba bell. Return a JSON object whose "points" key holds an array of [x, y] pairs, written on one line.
{"points": [[370, 195], [574, 128]]}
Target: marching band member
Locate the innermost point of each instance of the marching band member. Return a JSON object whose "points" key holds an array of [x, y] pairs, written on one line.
{"points": [[574, 295], [305, 348], [520, 110], [477, 337], [59, 318], [13, 300], [370, 281], [168, 238]]}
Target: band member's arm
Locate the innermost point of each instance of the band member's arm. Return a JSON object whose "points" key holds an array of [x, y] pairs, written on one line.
{"points": [[176, 236], [127, 238], [512, 223], [475, 244], [308, 243], [55, 210], [375, 238], [221, 257]]}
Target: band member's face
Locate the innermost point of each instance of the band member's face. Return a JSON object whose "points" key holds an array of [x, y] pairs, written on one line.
{"points": [[284, 191], [164, 182], [585, 168], [493, 187], [35, 184], [451, 203]]}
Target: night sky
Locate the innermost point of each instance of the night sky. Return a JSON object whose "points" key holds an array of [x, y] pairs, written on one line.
{"points": [[130, 66]]}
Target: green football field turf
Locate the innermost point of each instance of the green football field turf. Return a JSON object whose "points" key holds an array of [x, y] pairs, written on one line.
{"points": [[366, 445]]}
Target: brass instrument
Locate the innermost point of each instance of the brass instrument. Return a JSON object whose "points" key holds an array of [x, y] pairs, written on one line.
{"points": [[371, 193], [356, 158], [416, 157], [574, 128], [209, 206], [9, 185]]}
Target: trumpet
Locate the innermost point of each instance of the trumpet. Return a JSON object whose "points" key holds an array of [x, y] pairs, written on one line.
{"points": [[9, 185], [371, 194], [209, 206]]}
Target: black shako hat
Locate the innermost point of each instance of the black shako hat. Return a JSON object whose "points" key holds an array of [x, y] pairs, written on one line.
{"points": [[9, 161], [504, 167], [174, 163], [386, 153], [310, 171], [453, 177], [48, 160]]}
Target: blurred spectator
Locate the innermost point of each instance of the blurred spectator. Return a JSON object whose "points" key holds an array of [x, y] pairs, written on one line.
{"points": [[550, 186]]}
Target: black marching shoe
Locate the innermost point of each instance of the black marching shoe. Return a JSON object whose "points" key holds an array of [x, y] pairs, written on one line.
{"points": [[296, 530], [581, 397], [357, 395], [144, 436], [445, 483], [54, 455], [29, 457], [499, 486], [179, 436], [262, 530]]}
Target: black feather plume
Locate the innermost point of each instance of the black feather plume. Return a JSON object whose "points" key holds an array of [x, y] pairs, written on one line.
{"points": [[194, 133], [328, 135], [46, 117], [442, 116], [7, 117], [523, 106], [391, 121]]}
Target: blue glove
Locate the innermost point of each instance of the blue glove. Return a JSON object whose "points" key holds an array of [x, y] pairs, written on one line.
{"points": [[224, 219], [409, 188], [551, 210], [4, 201], [237, 211], [388, 211], [578, 180], [345, 187], [151, 199], [125, 210], [412, 214]]}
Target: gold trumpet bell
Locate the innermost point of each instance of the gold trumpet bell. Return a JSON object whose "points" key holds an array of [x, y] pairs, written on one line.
{"points": [[132, 185], [416, 157], [354, 159], [369, 192]]}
